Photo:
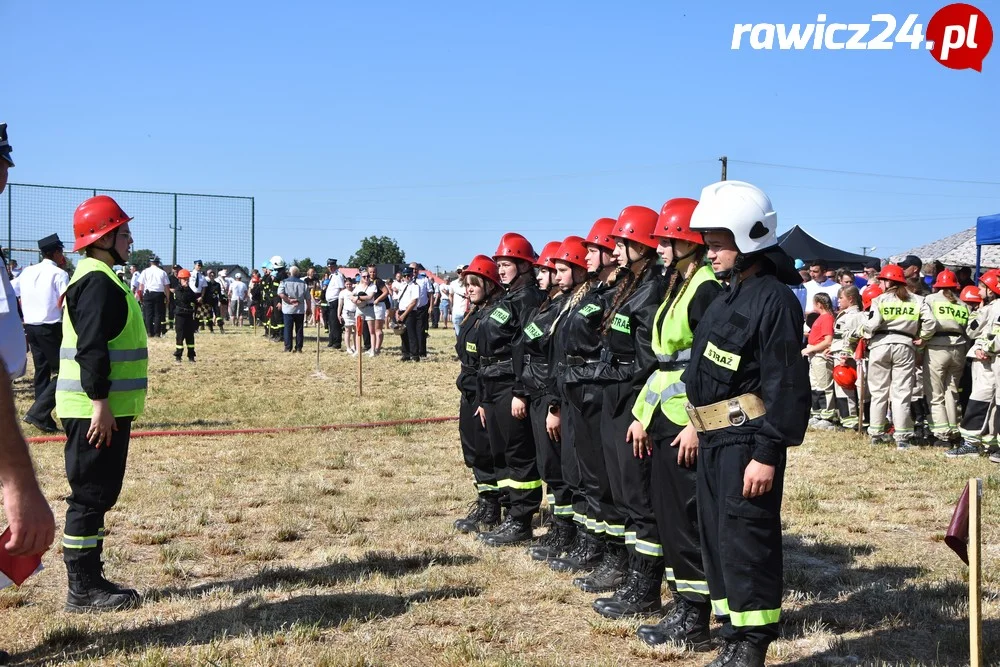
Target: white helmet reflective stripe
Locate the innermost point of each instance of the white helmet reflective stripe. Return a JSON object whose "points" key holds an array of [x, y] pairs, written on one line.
{"points": [[277, 262], [741, 208]]}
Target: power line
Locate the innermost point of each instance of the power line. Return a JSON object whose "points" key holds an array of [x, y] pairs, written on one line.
{"points": [[863, 173]]}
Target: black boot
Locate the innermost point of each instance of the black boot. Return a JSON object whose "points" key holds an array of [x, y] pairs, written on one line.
{"points": [[643, 597], [4, 657], [742, 654], [511, 531], [610, 574], [687, 626], [556, 541], [583, 556], [89, 591], [726, 654], [484, 514], [619, 595]]}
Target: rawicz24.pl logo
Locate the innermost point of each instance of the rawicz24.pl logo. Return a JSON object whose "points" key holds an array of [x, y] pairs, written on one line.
{"points": [[959, 36]]}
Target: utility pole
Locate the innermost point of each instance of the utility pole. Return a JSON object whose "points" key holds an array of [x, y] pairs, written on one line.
{"points": [[173, 260], [865, 249], [724, 160]]}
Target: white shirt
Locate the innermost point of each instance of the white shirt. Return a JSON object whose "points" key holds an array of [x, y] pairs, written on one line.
{"points": [[197, 282], [350, 310], [831, 287], [425, 290], [134, 282], [39, 286], [458, 301], [445, 292], [410, 293], [13, 351], [154, 279], [335, 286], [238, 290]]}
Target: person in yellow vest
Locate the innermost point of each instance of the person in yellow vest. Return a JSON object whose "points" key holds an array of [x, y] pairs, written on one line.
{"points": [[101, 388], [944, 358], [896, 326], [659, 419]]}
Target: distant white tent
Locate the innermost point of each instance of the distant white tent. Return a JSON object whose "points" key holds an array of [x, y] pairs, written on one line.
{"points": [[955, 250]]}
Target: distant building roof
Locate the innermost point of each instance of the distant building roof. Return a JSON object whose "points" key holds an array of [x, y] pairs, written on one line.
{"points": [[958, 249]]}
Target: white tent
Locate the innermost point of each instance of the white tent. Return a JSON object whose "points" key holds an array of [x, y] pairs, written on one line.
{"points": [[955, 250]]}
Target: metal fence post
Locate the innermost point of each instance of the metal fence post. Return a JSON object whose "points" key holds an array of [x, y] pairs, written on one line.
{"points": [[173, 261], [10, 216], [252, 224]]}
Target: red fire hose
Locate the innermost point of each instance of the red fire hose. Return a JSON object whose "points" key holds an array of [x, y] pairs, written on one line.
{"points": [[270, 429]]}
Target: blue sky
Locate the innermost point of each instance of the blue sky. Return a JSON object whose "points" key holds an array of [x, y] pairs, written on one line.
{"points": [[445, 124]]}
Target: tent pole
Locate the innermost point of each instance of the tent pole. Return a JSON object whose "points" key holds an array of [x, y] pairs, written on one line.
{"points": [[979, 252]]}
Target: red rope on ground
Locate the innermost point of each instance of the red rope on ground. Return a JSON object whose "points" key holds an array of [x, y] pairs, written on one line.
{"points": [[266, 429]]}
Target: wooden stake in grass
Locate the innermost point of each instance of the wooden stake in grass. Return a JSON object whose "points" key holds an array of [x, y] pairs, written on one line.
{"points": [[975, 574]]}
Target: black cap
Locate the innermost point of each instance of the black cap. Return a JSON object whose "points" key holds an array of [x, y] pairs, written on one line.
{"points": [[911, 260], [5, 148], [50, 243], [407, 271], [873, 264], [331, 262], [154, 260], [197, 261]]}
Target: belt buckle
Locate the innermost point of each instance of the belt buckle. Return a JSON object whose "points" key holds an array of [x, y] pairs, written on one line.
{"points": [[737, 417]]}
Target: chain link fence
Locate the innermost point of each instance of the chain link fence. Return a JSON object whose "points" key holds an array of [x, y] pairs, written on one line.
{"points": [[177, 227]]}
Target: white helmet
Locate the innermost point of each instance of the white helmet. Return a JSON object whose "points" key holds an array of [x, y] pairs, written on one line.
{"points": [[239, 276], [277, 262], [741, 208]]}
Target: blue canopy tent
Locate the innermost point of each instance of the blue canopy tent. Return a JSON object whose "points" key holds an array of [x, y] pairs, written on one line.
{"points": [[987, 233]]}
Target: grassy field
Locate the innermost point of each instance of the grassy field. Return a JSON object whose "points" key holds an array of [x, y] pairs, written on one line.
{"points": [[336, 548]]}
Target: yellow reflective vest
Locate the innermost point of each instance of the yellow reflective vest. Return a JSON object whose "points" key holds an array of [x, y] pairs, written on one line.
{"points": [[127, 396], [672, 341]]}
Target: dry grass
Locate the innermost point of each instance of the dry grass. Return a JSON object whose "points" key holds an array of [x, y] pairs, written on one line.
{"points": [[335, 548]]}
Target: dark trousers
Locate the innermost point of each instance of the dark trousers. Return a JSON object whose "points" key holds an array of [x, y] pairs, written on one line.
{"points": [[435, 315], [366, 335], [513, 452], [583, 405], [571, 466], [154, 312], [295, 321], [171, 310], [549, 461], [95, 479], [740, 543], [184, 328], [422, 330], [674, 489], [277, 322], [336, 337], [411, 334], [628, 479], [44, 341], [476, 447]]}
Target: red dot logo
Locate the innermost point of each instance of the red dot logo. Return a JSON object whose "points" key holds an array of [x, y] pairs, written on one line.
{"points": [[960, 36]]}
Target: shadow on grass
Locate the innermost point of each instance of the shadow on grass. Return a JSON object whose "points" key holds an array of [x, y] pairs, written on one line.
{"points": [[254, 616], [905, 622], [145, 425], [373, 562]]}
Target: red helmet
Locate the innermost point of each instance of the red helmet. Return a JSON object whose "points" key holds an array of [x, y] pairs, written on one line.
{"points": [[637, 223], [845, 376], [549, 253], [514, 246], [675, 221], [573, 252], [183, 273], [868, 295], [970, 294], [600, 234], [892, 272], [94, 218], [946, 279], [484, 267], [992, 280]]}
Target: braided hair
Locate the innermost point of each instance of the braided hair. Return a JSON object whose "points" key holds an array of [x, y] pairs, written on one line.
{"points": [[631, 277]]}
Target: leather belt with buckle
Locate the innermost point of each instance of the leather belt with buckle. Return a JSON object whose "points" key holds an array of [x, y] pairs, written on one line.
{"points": [[724, 414]]}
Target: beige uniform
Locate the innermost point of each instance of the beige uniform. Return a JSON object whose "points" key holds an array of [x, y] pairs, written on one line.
{"points": [[981, 331], [944, 362], [848, 322], [892, 326]]}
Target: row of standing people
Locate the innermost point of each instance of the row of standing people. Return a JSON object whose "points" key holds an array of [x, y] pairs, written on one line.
{"points": [[926, 362], [654, 406]]}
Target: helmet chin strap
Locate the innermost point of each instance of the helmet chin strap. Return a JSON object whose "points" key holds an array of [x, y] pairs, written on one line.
{"points": [[113, 250], [678, 258]]}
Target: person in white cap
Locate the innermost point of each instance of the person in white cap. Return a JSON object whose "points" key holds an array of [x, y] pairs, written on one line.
{"points": [[237, 299], [459, 303]]}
